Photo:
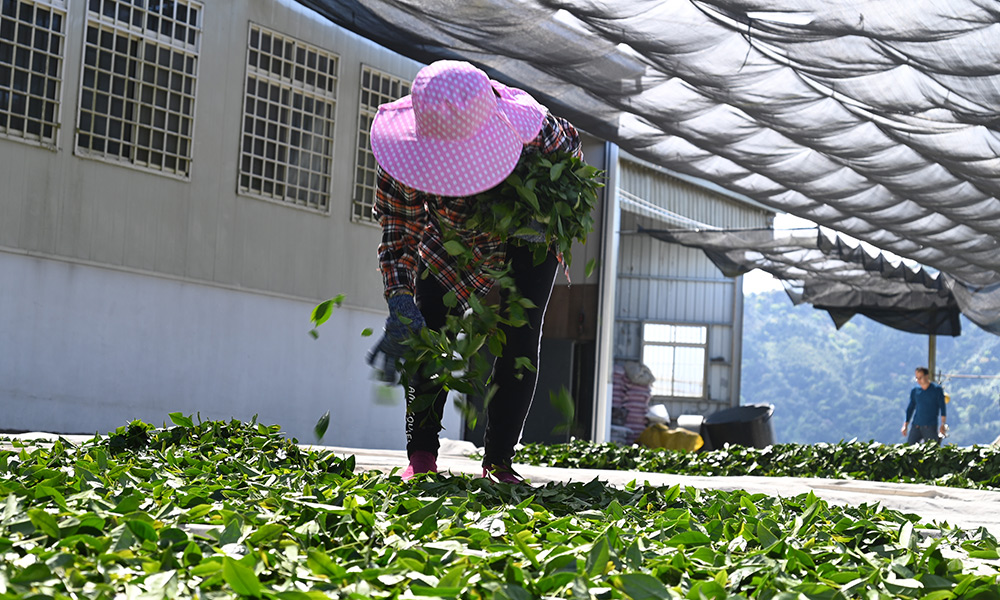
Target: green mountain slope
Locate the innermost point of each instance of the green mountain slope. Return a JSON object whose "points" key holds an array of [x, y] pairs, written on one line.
{"points": [[828, 385]]}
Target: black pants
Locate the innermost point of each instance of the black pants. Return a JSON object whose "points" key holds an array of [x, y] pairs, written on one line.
{"points": [[506, 412], [923, 433]]}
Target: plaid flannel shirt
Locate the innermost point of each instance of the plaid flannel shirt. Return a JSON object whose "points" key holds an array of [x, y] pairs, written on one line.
{"points": [[411, 233]]}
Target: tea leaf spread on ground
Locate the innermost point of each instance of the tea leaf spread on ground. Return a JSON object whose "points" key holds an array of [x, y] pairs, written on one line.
{"points": [[976, 467], [230, 509]]}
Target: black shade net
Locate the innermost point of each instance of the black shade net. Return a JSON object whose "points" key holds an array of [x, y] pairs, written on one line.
{"points": [[876, 118]]}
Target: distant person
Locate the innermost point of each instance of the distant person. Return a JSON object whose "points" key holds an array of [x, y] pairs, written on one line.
{"points": [[926, 403]]}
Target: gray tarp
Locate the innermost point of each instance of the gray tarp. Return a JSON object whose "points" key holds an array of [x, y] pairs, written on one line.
{"points": [[832, 275], [876, 118]]}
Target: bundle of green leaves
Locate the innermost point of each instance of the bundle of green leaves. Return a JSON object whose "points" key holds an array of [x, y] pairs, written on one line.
{"points": [[226, 510], [453, 355], [546, 203], [548, 196]]}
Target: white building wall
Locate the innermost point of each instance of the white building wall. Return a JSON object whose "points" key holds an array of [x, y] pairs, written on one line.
{"points": [[87, 349]]}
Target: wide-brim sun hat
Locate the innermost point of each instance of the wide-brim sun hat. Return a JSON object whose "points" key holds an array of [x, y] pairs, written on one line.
{"points": [[457, 134]]}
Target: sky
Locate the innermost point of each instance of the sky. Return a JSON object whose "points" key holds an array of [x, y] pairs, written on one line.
{"points": [[758, 281]]}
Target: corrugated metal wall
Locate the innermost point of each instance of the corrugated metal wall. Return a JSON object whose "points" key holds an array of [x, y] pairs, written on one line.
{"points": [[669, 283]]}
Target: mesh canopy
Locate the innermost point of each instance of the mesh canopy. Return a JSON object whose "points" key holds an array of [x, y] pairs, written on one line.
{"points": [[876, 118]]}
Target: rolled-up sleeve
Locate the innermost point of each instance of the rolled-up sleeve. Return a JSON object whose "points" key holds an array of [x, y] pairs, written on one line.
{"points": [[402, 214]]}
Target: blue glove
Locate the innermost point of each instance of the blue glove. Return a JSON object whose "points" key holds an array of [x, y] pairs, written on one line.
{"points": [[391, 346]]}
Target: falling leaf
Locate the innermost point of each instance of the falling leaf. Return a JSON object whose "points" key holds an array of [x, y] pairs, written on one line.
{"points": [[322, 425]]}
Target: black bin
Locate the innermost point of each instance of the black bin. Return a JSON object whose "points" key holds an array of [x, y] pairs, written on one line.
{"points": [[748, 425]]}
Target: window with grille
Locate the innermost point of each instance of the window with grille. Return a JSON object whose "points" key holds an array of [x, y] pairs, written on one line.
{"points": [[32, 39], [376, 88], [288, 120], [137, 97], [676, 356]]}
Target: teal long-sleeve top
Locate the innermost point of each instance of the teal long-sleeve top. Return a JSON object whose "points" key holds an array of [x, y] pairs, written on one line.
{"points": [[925, 405]]}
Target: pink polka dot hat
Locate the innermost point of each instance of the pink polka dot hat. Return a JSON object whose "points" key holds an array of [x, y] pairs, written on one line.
{"points": [[458, 133]]}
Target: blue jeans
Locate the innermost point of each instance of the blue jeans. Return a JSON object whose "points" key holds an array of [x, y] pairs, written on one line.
{"points": [[923, 433]]}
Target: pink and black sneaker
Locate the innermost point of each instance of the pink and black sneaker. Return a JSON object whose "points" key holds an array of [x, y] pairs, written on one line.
{"points": [[421, 461], [501, 474]]}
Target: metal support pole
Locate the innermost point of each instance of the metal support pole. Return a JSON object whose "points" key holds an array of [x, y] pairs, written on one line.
{"points": [[932, 356], [606, 315]]}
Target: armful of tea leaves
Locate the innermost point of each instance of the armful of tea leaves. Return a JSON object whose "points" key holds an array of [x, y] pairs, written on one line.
{"points": [[550, 196]]}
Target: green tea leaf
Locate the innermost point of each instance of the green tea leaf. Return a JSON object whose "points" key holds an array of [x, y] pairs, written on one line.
{"points": [[180, 420], [33, 573], [454, 577], [552, 583], [597, 558], [44, 491], [192, 554], [162, 584], [142, 530], [454, 248], [266, 533], [321, 313], [241, 578], [906, 535], [509, 591], [206, 569], [297, 595], [11, 508], [128, 504], [562, 401], [556, 171], [44, 522], [435, 592], [321, 426], [168, 517], [937, 595], [689, 538], [526, 550], [321, 564], [641, 586]]}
